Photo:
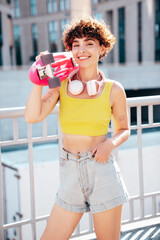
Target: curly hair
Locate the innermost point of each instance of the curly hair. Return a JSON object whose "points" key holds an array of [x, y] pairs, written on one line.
{"points": [[89, 27]]}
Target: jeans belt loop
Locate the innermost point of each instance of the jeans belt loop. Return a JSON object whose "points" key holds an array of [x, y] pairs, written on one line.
{"points": [[67, 156]]}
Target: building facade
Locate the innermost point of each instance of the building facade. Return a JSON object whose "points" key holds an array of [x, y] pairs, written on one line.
{"points": [[6, 36], [38, 25], [136, 26]]}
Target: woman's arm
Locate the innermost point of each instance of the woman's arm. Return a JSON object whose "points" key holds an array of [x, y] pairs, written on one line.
{"points": [[120, 116], [38, 107]]}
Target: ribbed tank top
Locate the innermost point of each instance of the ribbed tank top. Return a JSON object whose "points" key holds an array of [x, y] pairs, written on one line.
{"points": [[90, 117]]}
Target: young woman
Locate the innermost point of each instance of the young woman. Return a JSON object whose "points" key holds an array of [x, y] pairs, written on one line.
{"points": [[90, 179]]}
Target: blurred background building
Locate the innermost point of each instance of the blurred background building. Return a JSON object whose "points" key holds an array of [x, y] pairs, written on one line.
{"points": [[29, 26], [38, 25]]}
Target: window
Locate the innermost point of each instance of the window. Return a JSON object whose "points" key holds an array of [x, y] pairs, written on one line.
{"points": [[52, 6], [1, 40], [33, 7], [121, 19], [157, 30], [98, 16], [53, 36], [66, 3], [139, 32], [49, 6], [61, 5], [63, 23], [16, 10], [35, 39], [17, 44], [94, 1]]}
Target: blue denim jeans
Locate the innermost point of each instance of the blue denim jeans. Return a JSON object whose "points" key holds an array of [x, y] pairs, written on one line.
{"points": [[87, 185]]}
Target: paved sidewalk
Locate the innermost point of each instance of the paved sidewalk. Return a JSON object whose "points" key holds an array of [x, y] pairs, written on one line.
{"points": [[143, 233]]}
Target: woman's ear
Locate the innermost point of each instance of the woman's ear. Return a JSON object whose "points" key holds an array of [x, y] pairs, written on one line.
{"points": [[102, 50]]}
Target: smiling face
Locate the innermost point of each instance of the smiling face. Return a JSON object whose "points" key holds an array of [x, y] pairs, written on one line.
{"points": [[86, 51]]}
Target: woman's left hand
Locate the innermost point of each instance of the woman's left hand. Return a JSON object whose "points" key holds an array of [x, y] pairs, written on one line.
{"points": [[102, 151]]}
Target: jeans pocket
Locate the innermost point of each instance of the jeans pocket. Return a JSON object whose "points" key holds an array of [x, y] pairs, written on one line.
{"points": [[109, 161], [100, 163]]}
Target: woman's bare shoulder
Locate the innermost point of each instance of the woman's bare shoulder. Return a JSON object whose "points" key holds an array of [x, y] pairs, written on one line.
{"points": [[117, 91], [116, 86]]}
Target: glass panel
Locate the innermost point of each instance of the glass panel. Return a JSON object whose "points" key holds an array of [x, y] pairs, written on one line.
{"points": [[1, 40], [121, 17], [156, 113], [33, 7], [61, 5], [53, 36], [54, 3], [49, 6], [16, 8], [35, 39], [63, 23], [133, 116], [94, 1], [139, 31], [16, 33], [157, 30], [66, 4], [144, 115], [98, 15]]}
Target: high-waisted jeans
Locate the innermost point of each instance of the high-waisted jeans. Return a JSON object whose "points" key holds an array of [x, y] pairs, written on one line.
{"points": [[87, 185]]}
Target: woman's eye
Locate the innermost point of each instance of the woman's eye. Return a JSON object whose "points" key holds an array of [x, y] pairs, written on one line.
{"points": [[76, 45], [90, 44]]}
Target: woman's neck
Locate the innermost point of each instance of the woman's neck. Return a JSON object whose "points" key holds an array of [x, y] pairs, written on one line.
{"points": [[87, 74]]}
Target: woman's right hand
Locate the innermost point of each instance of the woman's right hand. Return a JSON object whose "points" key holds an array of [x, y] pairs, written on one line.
{"points": [[38, 107], [41, 54]]}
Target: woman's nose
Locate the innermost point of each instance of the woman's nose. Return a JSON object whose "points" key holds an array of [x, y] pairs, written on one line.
{"points": [[82, 49]]}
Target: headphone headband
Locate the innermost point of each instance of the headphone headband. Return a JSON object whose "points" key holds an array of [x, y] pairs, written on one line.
{"points": [[77, 70]]}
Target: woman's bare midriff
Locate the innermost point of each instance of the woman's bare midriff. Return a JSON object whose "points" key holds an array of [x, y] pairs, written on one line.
{"points": [[81, 144]]}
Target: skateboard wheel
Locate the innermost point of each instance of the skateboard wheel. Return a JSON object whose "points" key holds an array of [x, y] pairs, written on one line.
{"points": [[47, 59], [54, 82]]}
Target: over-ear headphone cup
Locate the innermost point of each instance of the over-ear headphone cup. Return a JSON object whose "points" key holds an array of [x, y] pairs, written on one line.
{"points": [[75, 87], [91, 88]]}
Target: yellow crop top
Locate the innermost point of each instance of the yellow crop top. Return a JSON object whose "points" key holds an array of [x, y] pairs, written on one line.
{"points": [[89, 117]]}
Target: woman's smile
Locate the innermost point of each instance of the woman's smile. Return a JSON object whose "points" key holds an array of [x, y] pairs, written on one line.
{"points": [[83, 58]]}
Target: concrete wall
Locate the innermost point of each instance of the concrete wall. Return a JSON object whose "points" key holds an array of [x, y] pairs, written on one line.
{"points": [[134, 76], [80, 8]]}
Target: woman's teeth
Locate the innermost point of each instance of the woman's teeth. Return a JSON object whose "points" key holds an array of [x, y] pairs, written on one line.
{"points": [[82, 58]]}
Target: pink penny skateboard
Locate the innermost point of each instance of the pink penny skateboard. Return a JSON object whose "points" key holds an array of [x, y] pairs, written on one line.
{"points": [[52, 68]]}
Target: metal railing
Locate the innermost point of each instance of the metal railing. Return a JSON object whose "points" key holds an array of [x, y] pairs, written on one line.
{"points": [[16, 113]]}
